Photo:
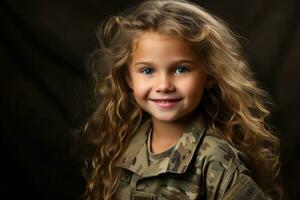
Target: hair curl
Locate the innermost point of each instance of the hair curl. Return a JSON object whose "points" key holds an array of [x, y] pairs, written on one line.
{"points": [[235, 107]]}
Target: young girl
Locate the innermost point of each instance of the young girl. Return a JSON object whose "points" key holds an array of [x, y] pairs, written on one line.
{"points": [[180, 116]]}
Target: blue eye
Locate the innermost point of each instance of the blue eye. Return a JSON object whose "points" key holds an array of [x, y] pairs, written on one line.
{"points": [[147, 71], [180, 70]]}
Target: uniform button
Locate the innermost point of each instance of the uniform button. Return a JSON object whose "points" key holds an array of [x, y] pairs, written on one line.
{"points": [[127, 175]]}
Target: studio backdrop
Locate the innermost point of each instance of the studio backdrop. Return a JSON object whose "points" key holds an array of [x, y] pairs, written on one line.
{"points": [[46, 92]]}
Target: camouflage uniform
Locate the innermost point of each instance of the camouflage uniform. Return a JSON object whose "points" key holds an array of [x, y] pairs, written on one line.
{"points": [[200, 166]]}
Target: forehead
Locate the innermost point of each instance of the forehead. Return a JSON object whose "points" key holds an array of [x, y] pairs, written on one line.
{"points": [[152, 45]]}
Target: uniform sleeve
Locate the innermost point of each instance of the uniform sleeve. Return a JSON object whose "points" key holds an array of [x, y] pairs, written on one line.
{"points": [[244, 188], [231, 182], [226, 173], [238, 184]]}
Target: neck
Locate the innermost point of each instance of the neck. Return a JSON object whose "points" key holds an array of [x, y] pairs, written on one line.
{"points": [[170, 131]]}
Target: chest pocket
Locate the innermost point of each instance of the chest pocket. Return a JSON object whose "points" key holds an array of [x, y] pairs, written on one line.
{"points": [[139, 195]]}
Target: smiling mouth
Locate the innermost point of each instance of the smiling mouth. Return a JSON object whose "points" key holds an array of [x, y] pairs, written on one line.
{"points": [[165, 103], [164, 100]]}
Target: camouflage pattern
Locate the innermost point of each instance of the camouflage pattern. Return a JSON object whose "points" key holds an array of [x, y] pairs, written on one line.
{"points": [[201, 166]]}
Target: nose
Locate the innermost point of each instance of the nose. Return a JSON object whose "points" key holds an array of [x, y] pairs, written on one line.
{"points": [[165, 84]]}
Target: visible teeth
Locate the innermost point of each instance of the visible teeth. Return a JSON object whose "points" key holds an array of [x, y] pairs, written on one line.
{"points": [[164, 101]]}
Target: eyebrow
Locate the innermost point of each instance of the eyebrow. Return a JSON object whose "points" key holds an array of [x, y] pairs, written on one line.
{"points": [[174, 63]]}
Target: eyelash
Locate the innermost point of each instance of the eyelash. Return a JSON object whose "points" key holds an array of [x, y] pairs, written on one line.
{"points": [[185, 68], [145, 69]]}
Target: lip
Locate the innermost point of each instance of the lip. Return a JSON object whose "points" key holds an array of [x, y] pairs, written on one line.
{"points": [[165, 103]]}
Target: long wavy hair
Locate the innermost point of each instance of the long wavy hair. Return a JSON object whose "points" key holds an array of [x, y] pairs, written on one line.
{"points": [[235, 108]]}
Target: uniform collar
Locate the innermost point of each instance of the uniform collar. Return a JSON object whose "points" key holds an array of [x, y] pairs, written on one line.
{"points": [[135, 158]]}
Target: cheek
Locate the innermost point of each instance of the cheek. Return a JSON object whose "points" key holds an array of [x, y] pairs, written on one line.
{"points": [[140, 91], [193, 89]]}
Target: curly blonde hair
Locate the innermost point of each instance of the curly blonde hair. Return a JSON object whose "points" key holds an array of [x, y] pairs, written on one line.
{"points": [[235, 107]]}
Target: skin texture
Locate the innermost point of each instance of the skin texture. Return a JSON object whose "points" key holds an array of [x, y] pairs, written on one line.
{"points": [[167, 81]]}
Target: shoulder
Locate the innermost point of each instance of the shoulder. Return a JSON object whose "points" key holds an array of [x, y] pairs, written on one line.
{"points": [[224, 170], [218, 160], [216, 149]]}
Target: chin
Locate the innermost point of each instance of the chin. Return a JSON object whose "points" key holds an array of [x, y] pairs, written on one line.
{"points": [[168, 119]]}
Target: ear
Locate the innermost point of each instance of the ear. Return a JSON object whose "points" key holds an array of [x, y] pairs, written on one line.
{"points": [[210, 82], [128, 78]]}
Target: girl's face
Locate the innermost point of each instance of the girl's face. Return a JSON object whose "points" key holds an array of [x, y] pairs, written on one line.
{"points": [[165, 76]]}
